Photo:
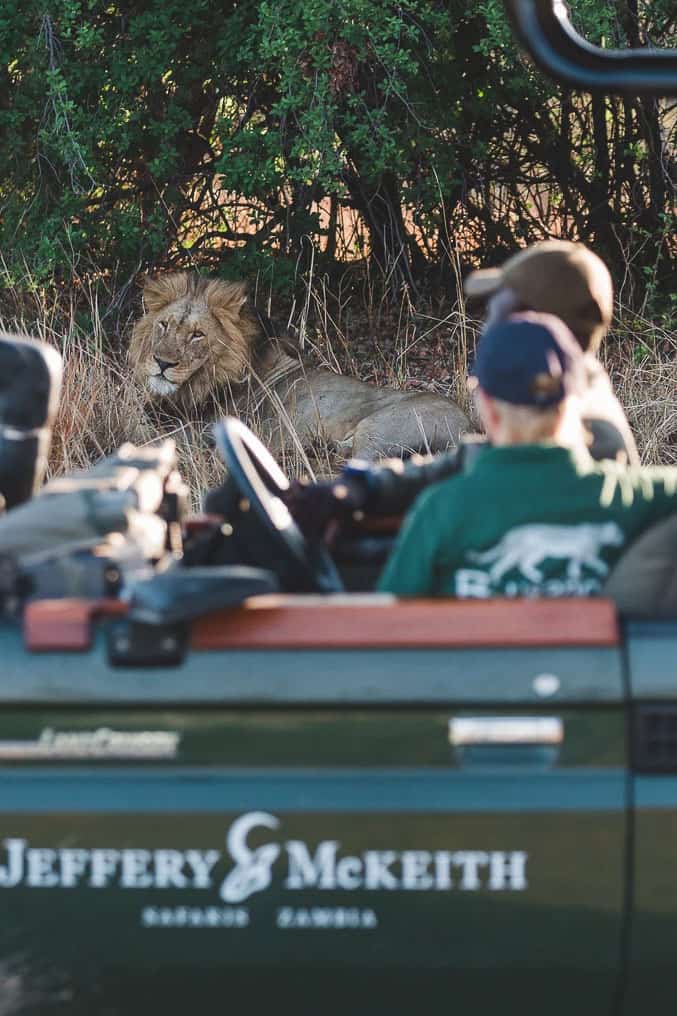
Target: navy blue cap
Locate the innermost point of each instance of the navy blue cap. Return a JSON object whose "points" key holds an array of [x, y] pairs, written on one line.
{"points": [[529, 359]]}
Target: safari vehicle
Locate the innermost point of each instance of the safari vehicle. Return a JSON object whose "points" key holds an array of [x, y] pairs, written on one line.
{"points": [[331, 799], [238, 788]]}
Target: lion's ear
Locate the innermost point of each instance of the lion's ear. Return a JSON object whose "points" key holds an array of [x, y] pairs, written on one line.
{"points": [[160, 291], [226, 297]]}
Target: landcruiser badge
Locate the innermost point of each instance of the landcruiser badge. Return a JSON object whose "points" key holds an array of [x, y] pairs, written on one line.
{"points": [[100, 743]]}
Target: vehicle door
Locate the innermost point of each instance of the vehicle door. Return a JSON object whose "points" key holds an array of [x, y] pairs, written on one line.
{"points": [[652, 978], [339, 804]]}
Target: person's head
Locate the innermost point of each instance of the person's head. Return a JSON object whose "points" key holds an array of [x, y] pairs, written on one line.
{"points": [[554, 277], [527, 370]]}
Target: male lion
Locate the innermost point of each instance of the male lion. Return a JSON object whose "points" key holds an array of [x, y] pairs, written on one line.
{"points": [[200, 340]]}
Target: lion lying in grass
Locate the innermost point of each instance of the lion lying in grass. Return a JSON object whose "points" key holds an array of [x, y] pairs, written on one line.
{"points": [[200, 341]]}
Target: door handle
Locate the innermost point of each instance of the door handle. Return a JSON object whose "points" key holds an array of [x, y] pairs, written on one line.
{"points": [[506, 740]]}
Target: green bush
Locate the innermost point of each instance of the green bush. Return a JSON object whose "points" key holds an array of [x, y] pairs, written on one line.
{"points": [[158, 132]]}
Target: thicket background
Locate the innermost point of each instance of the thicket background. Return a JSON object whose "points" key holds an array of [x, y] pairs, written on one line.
{"points": [[286, 140]]}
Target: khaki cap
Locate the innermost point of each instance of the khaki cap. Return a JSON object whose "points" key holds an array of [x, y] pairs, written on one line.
{"points": [[555, 277]]}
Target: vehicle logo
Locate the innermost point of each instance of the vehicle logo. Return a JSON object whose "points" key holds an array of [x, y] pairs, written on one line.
{"points": [[103, 742], [250, 869]]}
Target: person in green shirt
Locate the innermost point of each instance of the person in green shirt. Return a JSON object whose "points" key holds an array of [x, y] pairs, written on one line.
{"points": [[552, 277], [533, 514]]}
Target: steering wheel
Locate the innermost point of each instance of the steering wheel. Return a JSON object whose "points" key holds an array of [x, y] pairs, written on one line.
{"points": [[302, 566]]}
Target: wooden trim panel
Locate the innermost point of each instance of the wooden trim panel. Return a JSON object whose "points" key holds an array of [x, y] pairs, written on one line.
{"points": [[279, 623], [289, 622], [65, 625]]}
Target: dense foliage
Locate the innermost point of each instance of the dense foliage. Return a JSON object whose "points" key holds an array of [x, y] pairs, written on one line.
{"points": [[147, 132]]}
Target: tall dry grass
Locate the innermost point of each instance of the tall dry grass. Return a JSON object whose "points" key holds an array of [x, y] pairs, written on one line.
{"points": [[641, 357], [424, 348]]}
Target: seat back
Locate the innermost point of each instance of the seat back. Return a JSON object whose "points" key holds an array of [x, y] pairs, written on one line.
{"points": [[643, 583], [30, 384]]}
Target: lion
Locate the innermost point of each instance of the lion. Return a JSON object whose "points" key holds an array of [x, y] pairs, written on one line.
{"points": [[200, 340]]}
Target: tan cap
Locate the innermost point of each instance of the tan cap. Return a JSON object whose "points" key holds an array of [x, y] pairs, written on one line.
{"points": [[555, 277]]}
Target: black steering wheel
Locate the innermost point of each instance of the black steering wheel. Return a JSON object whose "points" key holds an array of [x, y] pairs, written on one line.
{"points": [[301, 565]]}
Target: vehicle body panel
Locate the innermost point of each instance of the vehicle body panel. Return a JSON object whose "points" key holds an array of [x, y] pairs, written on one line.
{"points": [[398, 860], [652, 669]]}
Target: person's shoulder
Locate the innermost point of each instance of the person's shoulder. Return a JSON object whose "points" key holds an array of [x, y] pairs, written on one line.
{"points": [[605, 417], [595, 371], [643, 479], [665, 475], [599, 398], [599, 392], [444, 493]]}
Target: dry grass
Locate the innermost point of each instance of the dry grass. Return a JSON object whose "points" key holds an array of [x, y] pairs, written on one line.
{"points": [[403, 346], [641, 356]]}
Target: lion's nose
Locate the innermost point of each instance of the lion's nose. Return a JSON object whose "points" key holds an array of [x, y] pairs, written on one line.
{"points": [[163, 364]]}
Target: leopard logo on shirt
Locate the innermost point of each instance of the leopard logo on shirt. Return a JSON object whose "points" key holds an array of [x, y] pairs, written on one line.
{"points": [[525, 549]]}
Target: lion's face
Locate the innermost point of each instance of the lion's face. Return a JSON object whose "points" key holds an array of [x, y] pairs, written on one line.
{"points": [[181, 340], [193, 338]]}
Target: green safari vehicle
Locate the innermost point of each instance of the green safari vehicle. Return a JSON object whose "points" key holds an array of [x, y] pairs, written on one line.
{"points": [[216, 797], [333, 801]]}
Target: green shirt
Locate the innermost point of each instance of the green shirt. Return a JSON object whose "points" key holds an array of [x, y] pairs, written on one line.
{"points": [[526, 520]]}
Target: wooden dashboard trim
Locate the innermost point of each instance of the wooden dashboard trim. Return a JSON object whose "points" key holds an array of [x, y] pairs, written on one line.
{"points": [[345, 622], [280, 623], [65, 625]]}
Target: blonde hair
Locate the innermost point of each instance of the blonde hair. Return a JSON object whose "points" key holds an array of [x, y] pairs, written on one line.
{"points": [[528, 425]]}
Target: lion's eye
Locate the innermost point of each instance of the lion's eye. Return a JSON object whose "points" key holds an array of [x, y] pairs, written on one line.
{"points": [[163, 325], [197, 335]]}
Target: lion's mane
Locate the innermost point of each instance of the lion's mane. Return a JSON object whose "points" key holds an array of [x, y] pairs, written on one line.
{"points": [[201, 341]]}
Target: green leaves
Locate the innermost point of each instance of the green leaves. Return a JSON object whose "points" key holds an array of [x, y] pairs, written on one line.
{"points": [[160, 130]]}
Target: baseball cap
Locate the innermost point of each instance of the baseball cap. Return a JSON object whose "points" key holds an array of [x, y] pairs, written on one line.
{"points": [[555, 277], [529, 360]]}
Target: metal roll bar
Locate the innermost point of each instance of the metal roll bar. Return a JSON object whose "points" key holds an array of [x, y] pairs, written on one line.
{"points": [[544, 29]]}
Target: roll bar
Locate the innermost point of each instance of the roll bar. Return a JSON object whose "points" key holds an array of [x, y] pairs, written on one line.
{"points": [[544, 29]]}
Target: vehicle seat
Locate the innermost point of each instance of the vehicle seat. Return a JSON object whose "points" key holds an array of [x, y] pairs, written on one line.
{"points": [[183, 594], [643, 583], [30, 383]]}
